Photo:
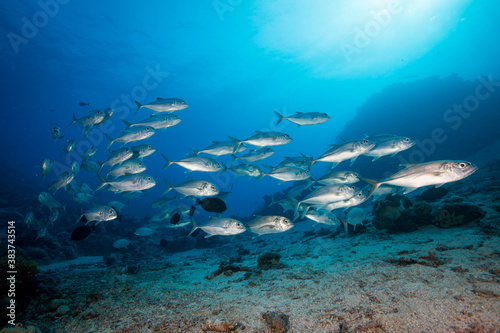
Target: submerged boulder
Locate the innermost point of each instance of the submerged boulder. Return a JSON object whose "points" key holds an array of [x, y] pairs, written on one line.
{"points": [[454, 215]]}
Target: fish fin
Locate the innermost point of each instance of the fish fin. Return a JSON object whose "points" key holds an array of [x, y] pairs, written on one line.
{"points": [[341, 138], [233, 159], [375, 184], [139, 105], [198, 201], [195, 152], [236, 142], [103, 183], [376, 158], [208, 235], [71, 123], [110, 139], [309, 159], [352, 161], [280, 117], [268, 166], [404, 166], [195, 226], [409, 189], [127, 123], [169, 187], [334, 164], [168, 163], [439, 185]]}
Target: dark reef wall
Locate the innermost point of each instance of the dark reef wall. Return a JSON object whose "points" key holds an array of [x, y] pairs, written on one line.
{"points": [[449, 117]]}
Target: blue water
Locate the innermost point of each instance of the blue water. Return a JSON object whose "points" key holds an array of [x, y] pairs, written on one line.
{"points": [[365, 64]]}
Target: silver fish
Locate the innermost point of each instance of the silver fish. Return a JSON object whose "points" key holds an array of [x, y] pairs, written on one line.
{"points": [[75, 167], [94, 117], [324, 217], [98, 214], [265, 139], [158, 121], [390, 146], [121, 243], [354, 217], [339, 177], [304, 118], [46, 167], [303, 162], [132, 134], [137, 182], [269, 225], [219, 226], [89, 153], [47, 200], [255, 155], [248, 170], [328, 194], [425, 174], [141, 151], [118, 156], [287, 204], [346, 151], [286, 174], [62, 180], [69, 147], [198, 188], [196, 163], [219, 148], [144, 232], [129, 167], [161, 202], [163, 105], [57, 133], [359, 198]]}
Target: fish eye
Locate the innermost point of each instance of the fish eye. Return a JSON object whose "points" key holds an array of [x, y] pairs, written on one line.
{"points": [[407, 140], [462, 165], [351, 187], [148, 178], [366, 142], [149, 147], [100, 213], [111, 211]]}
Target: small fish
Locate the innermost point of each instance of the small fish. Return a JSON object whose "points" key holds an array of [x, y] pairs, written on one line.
{"points": [[57, 133], [136, 182], [390, 146], [158, 121], [286, 174], [129, 167], [83, 104], [358, 199], [220, 148], [30, 219], [121, 243], [69, 147], [94, 117], [264, 139], [81, 232], [117, 156], [46, 167], [248, 170], [98, 214], [75, 167], [54, 215], [47, 200], [219, 226], [89, 153], [143, 232], [339, 177], [269, 225], [255, 155], [107, 115], [303, 162], [328, 194], [131, 135], [141, 151], [198, 188], [83, 197], [163, 105], [346, 151], [212, 205], [61, 181], [304, 118], [195, 163], [175, 218], [425, 174]]}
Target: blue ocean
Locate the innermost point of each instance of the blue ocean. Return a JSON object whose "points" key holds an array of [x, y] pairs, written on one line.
{"points": [[250, 166]]}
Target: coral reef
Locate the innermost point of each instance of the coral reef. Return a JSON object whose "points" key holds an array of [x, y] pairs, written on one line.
{"points": [[277, 322]]}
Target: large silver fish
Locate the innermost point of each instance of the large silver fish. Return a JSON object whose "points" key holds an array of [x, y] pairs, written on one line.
{"points": [[191, 187], [62, 180], [132, 134], [304, 118], [322, 216], [163, 105], [220, 226], [47, 200], [141, 151], [303, 162], [219, 148], [118, 156], [425, 174], [269, 225], [389, 146], [248, 170], [339, 177], [286, 174], [157, 121], [255, 155], [265, 139], [129, 167], [94, 117], [196, 163], [328, 194], [346, 151], [137, 182], [98, 214]]}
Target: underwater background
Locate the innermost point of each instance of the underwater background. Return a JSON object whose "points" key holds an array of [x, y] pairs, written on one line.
{"points": [[424, 70]]}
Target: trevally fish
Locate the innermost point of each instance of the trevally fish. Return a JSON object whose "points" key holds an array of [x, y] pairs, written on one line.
{"points": [[30, 219], [339, 177], [57, 133], [264, 139], [359, 198], [117, 156], [61, 181], [93, 118], [54, 215], [89, 153], [219, 148], [255, 155], [346, 151], [287, 204], [141, 151], [69, 147], [390, 146], [328, 194], [46, 167], [83, 197], [137, 182], [163, 105], [129, 167], [354, 217], [132, 134], [191, 187], [304, 118], [196, 163], [157, 121], [286, 174], [248, 170], [98, 214], [74, 167], [269, 225], [324, 217], [425, 174], [303, 162], [161, 202], [219, 226], [47, 200]]}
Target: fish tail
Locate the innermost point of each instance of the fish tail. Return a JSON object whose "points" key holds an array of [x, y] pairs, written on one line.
{"points": [[310, 161], [139, 105], [110, 139], [272, 201], [304, 212], [195, 226], [375, 185], [344, 222], [280, 117], [169, 187], [224, 167], [168, 163], [64, 208], [233, 159], [127, 123], [236, 142], [103, 183], [74, 121], [195, 152], [198, 201]]}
